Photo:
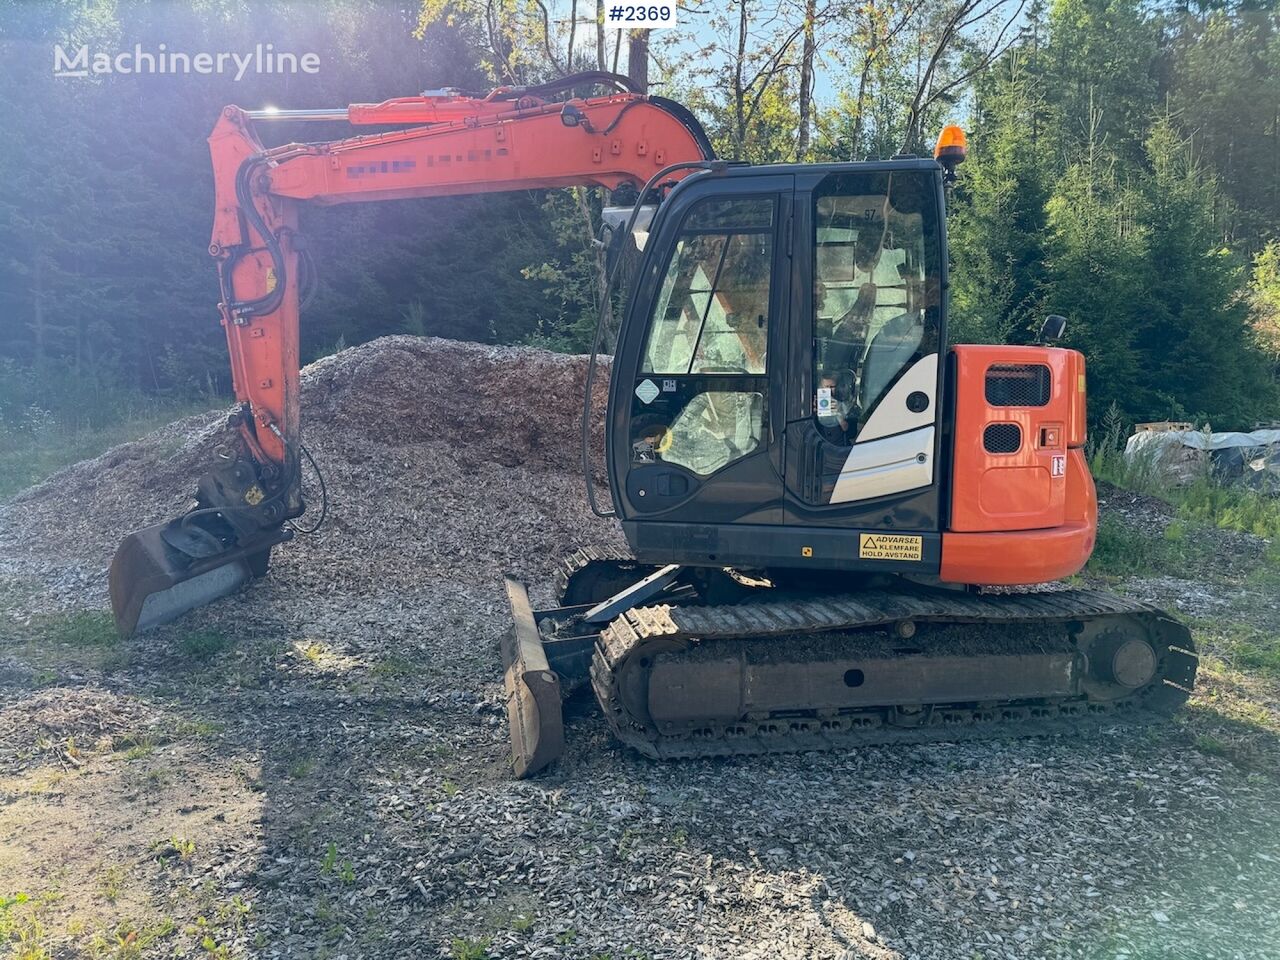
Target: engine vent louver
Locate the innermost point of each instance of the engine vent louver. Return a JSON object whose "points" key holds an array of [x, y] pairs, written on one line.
{"points": [[1018, 385], [1002, 438]]}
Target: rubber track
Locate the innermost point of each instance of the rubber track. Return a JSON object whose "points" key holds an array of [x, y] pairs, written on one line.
{"points": [[624, 643], [583, 558]]}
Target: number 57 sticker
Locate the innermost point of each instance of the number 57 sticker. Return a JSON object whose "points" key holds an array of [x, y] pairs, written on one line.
{"points": [[632, 16]]}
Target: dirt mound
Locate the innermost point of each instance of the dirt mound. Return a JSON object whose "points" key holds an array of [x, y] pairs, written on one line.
{"points": [[508, 405], [437, 454]]}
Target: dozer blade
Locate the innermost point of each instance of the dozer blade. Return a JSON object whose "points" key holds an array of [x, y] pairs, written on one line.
{"points": [[532, 690], [163, 571]]}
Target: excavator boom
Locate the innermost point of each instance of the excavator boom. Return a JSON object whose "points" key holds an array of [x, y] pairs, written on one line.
{"points": [[511, 139]]}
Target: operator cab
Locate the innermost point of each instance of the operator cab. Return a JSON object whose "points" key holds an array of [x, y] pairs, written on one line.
{"points": [[776, 384]]}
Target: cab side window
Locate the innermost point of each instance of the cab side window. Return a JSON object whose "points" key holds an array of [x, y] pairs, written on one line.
{"points": [[876, 293]]}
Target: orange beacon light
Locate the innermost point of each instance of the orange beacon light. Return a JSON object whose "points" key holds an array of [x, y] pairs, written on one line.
{"points": [[950, 150]]}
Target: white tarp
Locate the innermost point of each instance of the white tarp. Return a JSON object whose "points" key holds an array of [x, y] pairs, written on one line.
{"points": [[1184, 454]]}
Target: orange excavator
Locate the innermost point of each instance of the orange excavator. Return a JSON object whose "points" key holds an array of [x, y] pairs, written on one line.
{"points": [[816, 489]]}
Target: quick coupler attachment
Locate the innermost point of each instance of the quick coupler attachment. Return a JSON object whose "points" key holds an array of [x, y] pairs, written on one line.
{"points": [[163, 571]]}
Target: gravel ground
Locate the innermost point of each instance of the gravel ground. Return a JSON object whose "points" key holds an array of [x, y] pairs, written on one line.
{"points": [[316, 767]]}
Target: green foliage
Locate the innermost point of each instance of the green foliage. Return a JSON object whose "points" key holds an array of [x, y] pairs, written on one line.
{"points": [[1209, 744], [1095, 256], [50, 418], [1102, 54], [1264, 289], [1119, 176], [570, 276], [468, 949], [1223, 69], [105, 282], [1207, 500], [22, 931], [1122, 172], [1191, 321], [331, 866], [1258, 652], [1230, 507]]}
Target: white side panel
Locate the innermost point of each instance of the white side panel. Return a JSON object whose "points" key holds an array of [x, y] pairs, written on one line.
{"points": [[891, 465], [892, 416]]}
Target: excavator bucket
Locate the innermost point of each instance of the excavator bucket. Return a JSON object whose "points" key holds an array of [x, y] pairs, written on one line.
{"points": [[532, 690], [162, 571]]}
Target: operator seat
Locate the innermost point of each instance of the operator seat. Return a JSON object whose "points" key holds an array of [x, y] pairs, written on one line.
{"points": [[893, 345]]}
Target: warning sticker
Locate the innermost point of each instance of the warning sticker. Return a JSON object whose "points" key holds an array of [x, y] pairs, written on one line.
{"points": [[889, 546], [647, 391]]}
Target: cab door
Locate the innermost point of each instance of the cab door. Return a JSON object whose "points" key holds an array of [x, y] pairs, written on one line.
{"points": [[695, 423], [864, 426]]}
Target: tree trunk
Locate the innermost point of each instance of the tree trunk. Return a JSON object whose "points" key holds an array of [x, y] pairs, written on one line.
{"points": [[602, 269], [638, 59], [868, 60], [806, 80], [739, 94], [602, 55]]}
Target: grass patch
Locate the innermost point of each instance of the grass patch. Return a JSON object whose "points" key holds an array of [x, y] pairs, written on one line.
{"points": [[22, 932], [331, 866], [50, 420], [314, 651], [1208, 743], [129, 940], [204, 644], [463, 948], [1267, 574], [183, 728], [139, 751], [81, 629], [522, 923], [1230, 507], [392, 668], [174, 849], [111, 882], [1240, 646], [1121, 550], [300, 768]]}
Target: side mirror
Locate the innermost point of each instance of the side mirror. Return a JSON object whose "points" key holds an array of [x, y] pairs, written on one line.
{"points": [[1053, 328]]}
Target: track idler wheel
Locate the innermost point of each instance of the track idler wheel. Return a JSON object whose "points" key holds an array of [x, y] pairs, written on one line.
{"points": [[1128, 661]]}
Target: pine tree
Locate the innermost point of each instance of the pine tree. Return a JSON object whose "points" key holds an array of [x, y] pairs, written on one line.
{"points": [[1192, 331], [998, 213], [1094, 263], [1103, 61]]}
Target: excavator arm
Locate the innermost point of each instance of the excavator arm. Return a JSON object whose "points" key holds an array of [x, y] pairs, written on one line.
{"points": [[511, 139]]}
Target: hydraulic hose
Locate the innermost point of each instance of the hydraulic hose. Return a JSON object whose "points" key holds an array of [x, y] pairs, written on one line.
{"points": [[270, 301]]}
